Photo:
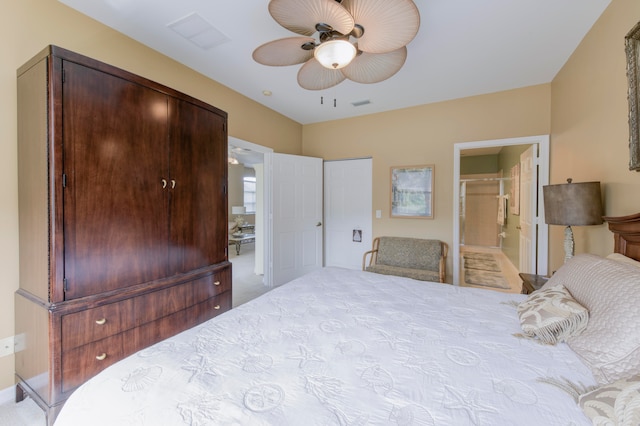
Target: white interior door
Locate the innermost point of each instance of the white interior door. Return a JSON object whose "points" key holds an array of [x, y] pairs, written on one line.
{"points": [[296, 213], [347, 211], [528, 184]]}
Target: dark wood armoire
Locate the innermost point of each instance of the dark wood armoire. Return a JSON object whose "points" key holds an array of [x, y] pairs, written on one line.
{"points": [[123, 219]]}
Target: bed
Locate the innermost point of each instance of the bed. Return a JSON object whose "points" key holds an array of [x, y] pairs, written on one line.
{"points": [[345, 347]]}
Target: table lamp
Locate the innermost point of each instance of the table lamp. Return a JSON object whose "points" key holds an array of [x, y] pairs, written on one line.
{"points": [[239, 211], [572, 204]]}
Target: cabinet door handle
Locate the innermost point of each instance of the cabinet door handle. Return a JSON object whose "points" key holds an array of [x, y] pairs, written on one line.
{"points": [[216, 283], [164, 183], [101, 321], [173, 183], [217, 307], [101, 357]]}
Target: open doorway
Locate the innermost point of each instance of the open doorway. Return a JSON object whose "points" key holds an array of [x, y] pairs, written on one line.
{"points": [[506, 240], [246, 208]]}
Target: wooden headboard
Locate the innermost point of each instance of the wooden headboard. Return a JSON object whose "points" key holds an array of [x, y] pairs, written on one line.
{"points": [[626, 234]]}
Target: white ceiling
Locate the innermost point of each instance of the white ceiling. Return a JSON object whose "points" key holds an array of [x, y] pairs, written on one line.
{"points": [[463, 48]]}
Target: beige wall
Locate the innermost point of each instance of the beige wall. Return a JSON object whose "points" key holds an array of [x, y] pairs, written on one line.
{"points": [[584, 109], [589, 128], [29, 26], [235, 190], [586, 117], [237, 173], [426, 135]]}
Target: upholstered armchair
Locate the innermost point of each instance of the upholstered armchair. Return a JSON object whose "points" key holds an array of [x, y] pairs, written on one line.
{"points": [[417, 258]]}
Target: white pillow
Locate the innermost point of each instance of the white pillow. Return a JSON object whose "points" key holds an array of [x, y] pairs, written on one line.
{"points": [[624, 259], [610, 290]]}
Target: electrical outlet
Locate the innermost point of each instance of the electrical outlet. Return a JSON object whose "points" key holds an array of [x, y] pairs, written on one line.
{"points": [[6, 346]]}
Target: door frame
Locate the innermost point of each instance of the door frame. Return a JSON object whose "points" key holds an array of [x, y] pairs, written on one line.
{"points": [[543, 179], [266, 223]]}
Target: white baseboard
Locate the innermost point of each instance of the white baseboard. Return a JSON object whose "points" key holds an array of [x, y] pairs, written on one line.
{"points": [[8, 395]]}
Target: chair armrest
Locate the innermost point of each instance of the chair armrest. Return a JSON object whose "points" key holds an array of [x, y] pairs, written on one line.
{"points": [[443, 262], [364, 257]]}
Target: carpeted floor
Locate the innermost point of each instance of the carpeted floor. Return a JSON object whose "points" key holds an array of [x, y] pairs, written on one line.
{"points": [[246, 284], [24, 413]]}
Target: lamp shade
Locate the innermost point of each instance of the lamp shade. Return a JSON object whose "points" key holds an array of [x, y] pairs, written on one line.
{"points": [[335, 54], [238, 210], [573, 204]]}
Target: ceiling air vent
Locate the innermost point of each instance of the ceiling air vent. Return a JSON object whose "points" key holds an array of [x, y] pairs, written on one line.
{"points": [[360, 103], [198, 31]]}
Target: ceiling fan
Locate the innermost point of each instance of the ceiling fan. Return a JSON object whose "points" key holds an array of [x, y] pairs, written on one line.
{"points": [[360, 40]]}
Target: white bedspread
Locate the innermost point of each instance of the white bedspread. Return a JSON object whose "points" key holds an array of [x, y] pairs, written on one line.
{"points": [[342, 347]]}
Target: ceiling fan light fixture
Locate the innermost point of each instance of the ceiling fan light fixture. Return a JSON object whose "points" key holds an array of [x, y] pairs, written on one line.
{"points": [[335, 54]]}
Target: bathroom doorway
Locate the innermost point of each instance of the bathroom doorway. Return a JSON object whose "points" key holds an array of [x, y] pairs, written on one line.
{"points": [[509, 243]]}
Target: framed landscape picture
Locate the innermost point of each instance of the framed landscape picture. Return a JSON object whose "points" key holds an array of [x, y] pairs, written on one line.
{"points": [[412, 192]]}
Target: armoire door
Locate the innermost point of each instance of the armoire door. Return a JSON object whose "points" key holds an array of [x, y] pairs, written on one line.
{"points": [[115, 159], [198, 177]]}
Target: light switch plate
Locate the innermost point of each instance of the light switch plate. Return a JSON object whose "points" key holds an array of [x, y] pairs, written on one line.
{"points": [[19, 343], [378, 214], [6, 346]]}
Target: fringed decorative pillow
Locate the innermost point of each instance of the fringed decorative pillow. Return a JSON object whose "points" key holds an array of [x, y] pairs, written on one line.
{"points": [[552, 315], [617, 403]]}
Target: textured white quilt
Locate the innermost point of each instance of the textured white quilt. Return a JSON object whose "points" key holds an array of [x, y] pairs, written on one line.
{"points": [[342, 347]]}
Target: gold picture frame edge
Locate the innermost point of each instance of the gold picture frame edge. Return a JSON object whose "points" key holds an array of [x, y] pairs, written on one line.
{"points": [[632, 49]]}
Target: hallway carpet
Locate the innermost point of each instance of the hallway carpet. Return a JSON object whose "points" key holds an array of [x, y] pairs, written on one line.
{"points": [[246, 284]]}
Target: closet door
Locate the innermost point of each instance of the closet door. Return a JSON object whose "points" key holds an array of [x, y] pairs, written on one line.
{"points": [[198, 163], [115, 158]]}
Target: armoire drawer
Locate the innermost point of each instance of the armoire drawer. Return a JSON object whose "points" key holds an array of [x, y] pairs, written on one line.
{"points": [[159, 304], [101, 322], [168, 326], [97, 323], [213, 285], [83, 362]]}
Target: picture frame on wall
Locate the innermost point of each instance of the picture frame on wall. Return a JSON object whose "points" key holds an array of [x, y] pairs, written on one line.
{"points": [[632, 49], [412, 192], [514, 196]]}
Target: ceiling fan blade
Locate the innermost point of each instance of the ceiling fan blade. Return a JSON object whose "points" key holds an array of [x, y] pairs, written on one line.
{"points": [[388, 24], [313, 76], [375, 67], [285, 51], [301, 16]]}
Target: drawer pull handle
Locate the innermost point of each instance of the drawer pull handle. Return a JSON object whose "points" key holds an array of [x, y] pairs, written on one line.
{"points": [[216, 283], [101, 321], [101, 357], [217, 307]]}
